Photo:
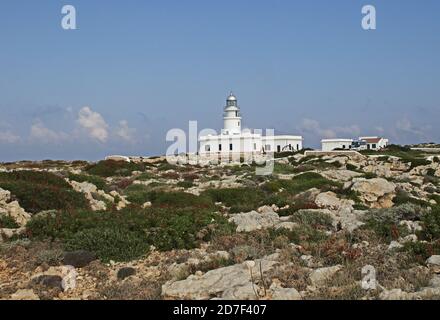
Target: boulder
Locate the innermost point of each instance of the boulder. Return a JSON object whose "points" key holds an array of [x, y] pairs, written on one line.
{"points": [[51, 277], [279, 293], [433, 261], [341, 175], [24, 294], [330, 200], [12, 209], [376, 193], [395, 294], [254, 220], [320, 276], [5, 196], [232, 281], [78, 259]]}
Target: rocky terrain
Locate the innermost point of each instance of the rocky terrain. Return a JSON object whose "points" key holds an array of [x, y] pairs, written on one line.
{"points": [[355, 226]]}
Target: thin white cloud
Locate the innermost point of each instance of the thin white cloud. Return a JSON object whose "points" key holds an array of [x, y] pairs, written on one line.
{"points": [[405, 126], [40, 133], [313, 127], [124, 132], [9, 137], [93, 124]]}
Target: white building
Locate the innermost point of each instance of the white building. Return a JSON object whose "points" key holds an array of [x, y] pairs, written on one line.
{"points": [[374, 143], [332, 144], [234, 140], [364, 143]]}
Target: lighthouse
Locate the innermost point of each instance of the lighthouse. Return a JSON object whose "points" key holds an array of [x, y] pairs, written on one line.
{"points": [[233, 141], [231, 116]]}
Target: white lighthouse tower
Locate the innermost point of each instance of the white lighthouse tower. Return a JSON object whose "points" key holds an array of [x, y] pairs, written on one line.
{"points": [[231, 116]]}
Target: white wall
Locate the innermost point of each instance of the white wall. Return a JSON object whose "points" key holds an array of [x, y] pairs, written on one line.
{"points": [[329, 145], [240, 143], [271, 143]]}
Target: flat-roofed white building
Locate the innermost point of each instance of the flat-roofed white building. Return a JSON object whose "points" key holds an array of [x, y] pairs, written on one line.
{"points": [[332, 144], [233, 139]]}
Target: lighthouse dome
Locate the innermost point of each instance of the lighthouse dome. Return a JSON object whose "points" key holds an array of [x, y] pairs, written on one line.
{"points": [[231, 97]]}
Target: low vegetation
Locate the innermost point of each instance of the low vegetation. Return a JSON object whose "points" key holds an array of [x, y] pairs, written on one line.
{"points": [[38, 191], [128, 234], [108, 168]]}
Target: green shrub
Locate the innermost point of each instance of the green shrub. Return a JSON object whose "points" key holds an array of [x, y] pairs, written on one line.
{"points": [[369, 175], [185, 184], [109, 234], [313, 219], [351, 167], [38, 191], [109, 168], [430, 172], [385, 222], [179, 199], [138, 193], [301, 183], [239, 198], [403, 197], [416, 162], [116, 243], [8, 222], [97, 181], [420, 251], [431, 223]]}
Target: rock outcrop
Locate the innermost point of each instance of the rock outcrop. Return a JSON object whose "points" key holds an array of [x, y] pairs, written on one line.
{"points": [[376, 192], [232, 282]]}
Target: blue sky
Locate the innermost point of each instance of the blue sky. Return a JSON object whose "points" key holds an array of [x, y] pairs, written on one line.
{"points": [[135, 69]]}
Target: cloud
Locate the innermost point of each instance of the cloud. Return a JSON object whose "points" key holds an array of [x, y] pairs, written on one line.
{"points": [[93, 123], [405, 126], [40, 133], [9, 137], [124, 132], [313, 127]]}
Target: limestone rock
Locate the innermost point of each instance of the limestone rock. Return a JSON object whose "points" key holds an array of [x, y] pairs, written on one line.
{"points": [[232, 280], [377, 192], [279, 293], [254, 220], [395, 294], [320, 276], [12, 209], [340, 175], [330, 200], [24, 294], [433, 261], [394, 245], [67, 274]]}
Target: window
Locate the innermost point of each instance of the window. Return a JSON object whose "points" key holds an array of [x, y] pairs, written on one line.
{"points": [[220, 147], [373, 146], [230, 146], [236, 114], [207, 147], [278, 148], [297, 147], [290, 146], [255, 146], [238, 123], [343, 146], [267, 147]]}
